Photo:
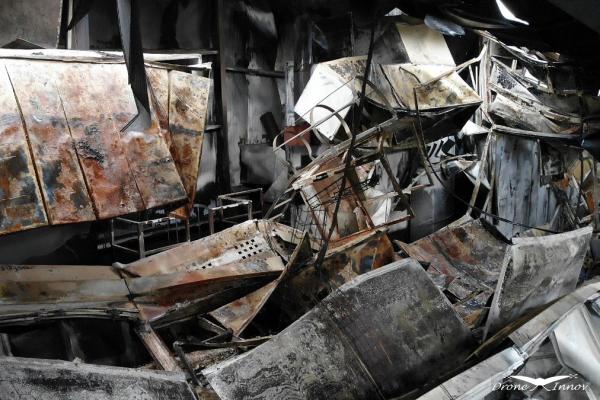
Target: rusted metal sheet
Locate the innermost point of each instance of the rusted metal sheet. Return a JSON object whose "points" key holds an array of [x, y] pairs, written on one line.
{"points": [[535, 272], [31, 292], [464, 259], [180, 282], [206, 274], [66, 284], [62, 183], [147, 153], [346, 259], [181, 296], [188, 108], [87, 168], [378, 336], [246, 242], [158, 80], [90, 114], [21, 205], [152, 166], [239, 313]]}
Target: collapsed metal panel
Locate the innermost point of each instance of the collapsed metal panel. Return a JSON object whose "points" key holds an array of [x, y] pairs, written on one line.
{"points": [[464, 259], [90, 115], [245, 242], [72, 115], [36, 290], [74, 110], [520, 194], [570, 323], [396, 83], [25, 378], [148, 155], [206, 274], [195, 278], [61, 180], [158, 82], [345, 260], [239, 313], [21, 202], [535, 272], [378, 336], [188, 107]]}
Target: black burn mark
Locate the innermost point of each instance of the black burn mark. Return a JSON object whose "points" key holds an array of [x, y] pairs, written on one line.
{"points": [[17, 164], [180, 130], [79, 196], [86, 150], [50, 174], [180, 106], [66, 381]]}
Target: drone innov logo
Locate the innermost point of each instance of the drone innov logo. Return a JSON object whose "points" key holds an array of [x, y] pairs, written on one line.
{"points": [[525, 383]]}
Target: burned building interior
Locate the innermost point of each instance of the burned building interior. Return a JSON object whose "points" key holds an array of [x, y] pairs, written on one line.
{"points": [[260, 199]]}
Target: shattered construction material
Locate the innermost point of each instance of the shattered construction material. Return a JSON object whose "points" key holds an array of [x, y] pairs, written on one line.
{"points": [[378, 336], [66, 155]]}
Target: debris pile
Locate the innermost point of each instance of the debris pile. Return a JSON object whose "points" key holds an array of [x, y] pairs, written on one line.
{"points": [[437, 241]]}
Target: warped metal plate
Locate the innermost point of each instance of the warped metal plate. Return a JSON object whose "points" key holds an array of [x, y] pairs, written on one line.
{"points": [[149, 158], [158, 80], [152, 166], [62, 183], [465, 251], [464, 259], [379, 336], [188, 108], [21, 205], [346, 259], [90, 113], [396, 83], [238, 314], [61, 284], [205, 274], [245, 242], [535, 272]]}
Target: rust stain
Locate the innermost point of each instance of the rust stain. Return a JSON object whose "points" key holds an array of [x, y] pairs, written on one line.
{"points": [[21, 204], [188, 107], [97, 141], [61, 180]]}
